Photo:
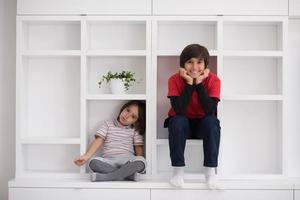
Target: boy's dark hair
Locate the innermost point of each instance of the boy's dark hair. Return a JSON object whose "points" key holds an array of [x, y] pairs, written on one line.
{"points": [[194, 51], [140, 124]]}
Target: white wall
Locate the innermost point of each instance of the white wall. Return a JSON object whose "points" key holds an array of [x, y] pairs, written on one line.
{"points": [[7, 93]]}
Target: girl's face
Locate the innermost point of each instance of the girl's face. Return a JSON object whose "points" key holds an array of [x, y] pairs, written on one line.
{"points": [[129, 115], [194, 67]]}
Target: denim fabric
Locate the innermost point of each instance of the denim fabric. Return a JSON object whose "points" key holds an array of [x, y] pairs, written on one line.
{"points": [[207, 129]]}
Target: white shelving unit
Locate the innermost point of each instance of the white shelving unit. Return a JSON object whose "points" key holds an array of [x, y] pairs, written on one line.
{"points": [[252, 111], [248, 54], [48, 95], [60, 60], [59, 63], [116, 44]]}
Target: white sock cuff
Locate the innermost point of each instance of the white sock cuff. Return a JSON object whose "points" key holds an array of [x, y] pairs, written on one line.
{"points": [[209, 170], [178, 171]]}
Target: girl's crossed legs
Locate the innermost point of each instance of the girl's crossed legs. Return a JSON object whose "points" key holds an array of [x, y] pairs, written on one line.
{"points": [[117, 168]]}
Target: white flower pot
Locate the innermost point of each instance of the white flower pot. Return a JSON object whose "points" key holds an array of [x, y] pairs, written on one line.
{"points": [[117, 86]]}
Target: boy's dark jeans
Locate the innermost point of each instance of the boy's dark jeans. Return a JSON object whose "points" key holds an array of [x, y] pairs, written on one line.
{"points": [[182, 128]]}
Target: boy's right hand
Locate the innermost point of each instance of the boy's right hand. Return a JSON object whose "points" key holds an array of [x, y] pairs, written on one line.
{"points": [[81, 160], [183, 73]]}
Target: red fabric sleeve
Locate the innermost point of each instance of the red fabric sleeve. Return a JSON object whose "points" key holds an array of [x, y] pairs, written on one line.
{"points": [[172, 87], [214, 90]]}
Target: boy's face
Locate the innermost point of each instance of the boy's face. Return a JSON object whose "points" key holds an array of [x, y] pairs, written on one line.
{"points": [[194, 67], [129, 115]]}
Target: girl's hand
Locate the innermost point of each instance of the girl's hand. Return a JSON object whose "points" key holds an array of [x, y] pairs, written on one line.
{"points": [[202, 76], [81, 160], [185, 76]]}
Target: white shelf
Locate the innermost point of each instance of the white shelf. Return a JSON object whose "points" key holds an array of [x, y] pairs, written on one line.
{"points": [[178, 52], [152, 184], [253, 176], [116, 97], [51, 53], [252, 53], [254, 19], [53, 175], [252, 97], [50, 19], [116, 53], [43, 140], [188, 142]]}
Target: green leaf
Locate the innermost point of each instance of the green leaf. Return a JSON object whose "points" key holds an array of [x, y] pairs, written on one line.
{"points": [[127, 78]]}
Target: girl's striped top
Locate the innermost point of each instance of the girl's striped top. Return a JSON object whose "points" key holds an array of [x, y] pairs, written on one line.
{"points": [[118, 139]]}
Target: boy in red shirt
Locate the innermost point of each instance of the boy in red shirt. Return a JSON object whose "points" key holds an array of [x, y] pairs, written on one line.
{"points": [[194, 93]]}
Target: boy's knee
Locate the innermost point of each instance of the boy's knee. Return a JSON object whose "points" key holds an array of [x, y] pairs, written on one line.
{"points": [[211, 121], [179, 119]]}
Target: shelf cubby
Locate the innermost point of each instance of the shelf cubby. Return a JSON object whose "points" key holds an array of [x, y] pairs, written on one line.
{"points": [[175, 35], [52, 91], [116, 35], [252, 75], [252, 137], [38, 159], [252, 35], [97, 66], [100, 111], [51, 35]]}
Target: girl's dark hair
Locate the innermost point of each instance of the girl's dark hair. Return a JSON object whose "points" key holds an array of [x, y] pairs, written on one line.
{"points": [[140, 124], [194, 51]]}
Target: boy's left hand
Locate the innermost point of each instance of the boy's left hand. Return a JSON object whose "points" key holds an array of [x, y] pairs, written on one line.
{"points": [[202, 76]]}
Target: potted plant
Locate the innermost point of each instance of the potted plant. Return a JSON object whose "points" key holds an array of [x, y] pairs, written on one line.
{"points": [[119, 82]]}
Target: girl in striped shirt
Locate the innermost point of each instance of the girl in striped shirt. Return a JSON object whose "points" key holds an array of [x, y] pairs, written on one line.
{"points": [[121, 141]]}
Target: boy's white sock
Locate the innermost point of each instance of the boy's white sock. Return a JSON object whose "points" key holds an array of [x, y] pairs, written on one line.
{"points": [[211, 177], [177, 178]]}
